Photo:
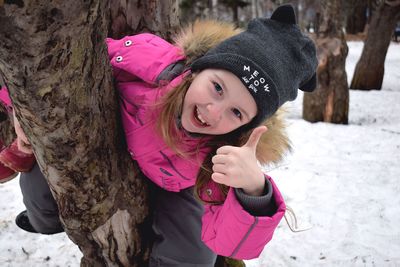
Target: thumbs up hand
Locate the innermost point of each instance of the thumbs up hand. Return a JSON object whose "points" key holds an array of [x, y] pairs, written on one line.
{"points": [[237, 166]]}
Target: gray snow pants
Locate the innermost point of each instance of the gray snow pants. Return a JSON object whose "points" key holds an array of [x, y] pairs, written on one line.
{"points": [[176, 222], [177, 226], [41, 207]]}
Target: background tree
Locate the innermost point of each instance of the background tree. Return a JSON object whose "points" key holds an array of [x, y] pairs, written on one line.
{"points": [[330, 101], [234, 5], [190, 10], [194, 9], [370, 68], [356, 11], [213, 6], [256, 9]]}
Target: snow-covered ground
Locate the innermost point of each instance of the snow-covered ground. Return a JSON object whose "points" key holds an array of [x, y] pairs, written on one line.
{"points": [[343, 180]]}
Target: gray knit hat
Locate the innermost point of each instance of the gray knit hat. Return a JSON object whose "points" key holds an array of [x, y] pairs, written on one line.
{"points": [[272, 58]]}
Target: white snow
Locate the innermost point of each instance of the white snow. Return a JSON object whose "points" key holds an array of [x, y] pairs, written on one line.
{"points": [[343, 180]]}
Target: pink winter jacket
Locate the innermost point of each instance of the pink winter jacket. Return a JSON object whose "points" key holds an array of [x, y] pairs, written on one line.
{"points": [[227, 229], [5, 99]]}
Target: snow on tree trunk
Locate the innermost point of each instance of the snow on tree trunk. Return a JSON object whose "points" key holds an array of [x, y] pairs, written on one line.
{"points": [[370, 69], [330, 101]]}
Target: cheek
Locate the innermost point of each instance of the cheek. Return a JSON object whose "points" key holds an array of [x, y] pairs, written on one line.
{"points": [[187, 107], [226, 126], [189, 96]]}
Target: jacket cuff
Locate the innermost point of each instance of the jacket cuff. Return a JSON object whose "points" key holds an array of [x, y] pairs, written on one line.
{"points": [[263, 205]]}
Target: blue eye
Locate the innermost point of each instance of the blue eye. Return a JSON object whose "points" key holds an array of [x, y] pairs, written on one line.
{"points": [[237, 113], [218, 88]]}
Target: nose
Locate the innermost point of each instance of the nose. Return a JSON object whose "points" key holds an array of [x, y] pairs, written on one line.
{"points": [[214, 112]]}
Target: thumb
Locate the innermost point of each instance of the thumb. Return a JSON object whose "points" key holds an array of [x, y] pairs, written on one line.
{"points": [[255, 136]]}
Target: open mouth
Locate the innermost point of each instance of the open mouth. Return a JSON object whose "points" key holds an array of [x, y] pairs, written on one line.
{"points": [[199, 119]]}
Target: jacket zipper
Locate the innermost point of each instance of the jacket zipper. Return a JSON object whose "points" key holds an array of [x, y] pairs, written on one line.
{"points": [[245, 237]]}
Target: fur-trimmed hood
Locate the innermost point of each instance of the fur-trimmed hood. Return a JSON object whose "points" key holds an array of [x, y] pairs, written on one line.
{"points": [[195, 40]]}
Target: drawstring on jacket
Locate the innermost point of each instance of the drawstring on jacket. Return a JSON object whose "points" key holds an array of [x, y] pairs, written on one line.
{"points": [[291, 220]]}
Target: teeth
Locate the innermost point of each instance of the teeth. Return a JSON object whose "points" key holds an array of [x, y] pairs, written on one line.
{"points": [[200, 117]]}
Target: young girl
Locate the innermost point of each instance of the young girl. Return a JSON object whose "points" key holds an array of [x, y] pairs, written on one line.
{"points": [[194, 114], [201, 128]]}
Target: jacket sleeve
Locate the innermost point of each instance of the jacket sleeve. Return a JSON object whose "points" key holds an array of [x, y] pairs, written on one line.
{"points": [[262, 205], [5, 98], [231, 231], [141, 57]]}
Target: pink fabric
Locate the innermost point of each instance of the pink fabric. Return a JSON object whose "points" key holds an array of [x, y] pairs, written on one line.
{"points": [[227, 229], [5, 98], [144, 56], [231, 231], [136, 70]]}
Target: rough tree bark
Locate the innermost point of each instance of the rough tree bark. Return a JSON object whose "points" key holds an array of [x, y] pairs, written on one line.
{"points": [[54, 62], [370, 68], [134, 16], [330, 101]]}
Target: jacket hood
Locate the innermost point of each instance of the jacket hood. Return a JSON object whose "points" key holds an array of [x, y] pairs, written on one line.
{"points": [[195, 40]]}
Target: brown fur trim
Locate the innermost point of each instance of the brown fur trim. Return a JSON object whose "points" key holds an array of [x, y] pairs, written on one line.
{"points": [[197, 38]]}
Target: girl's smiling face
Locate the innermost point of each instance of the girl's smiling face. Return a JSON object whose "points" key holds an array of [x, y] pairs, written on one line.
{"points": [[216, 103]]}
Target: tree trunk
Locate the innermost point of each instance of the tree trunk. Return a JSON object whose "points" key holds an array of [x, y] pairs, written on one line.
{"points": [[317, 23], [215, 9], [134, 16], [235, 15], [370, 68], [54, 62], [330, 101], [356, 16]]}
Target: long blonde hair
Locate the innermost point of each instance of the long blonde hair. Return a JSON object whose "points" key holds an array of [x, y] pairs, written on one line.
{"points": [[171, 106]]}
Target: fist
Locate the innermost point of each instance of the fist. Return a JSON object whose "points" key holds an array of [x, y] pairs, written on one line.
{"points": [[22, 141], [238, 167]]}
